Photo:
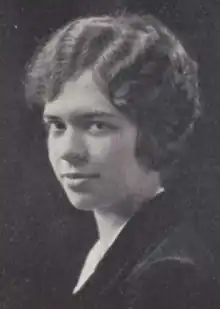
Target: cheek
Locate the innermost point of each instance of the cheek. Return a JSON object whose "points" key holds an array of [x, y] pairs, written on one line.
{"points": [[52, 153], [102, 148], [113, 151]]}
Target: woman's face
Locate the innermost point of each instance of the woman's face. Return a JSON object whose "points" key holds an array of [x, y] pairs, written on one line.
{"points": [[91, 146]]}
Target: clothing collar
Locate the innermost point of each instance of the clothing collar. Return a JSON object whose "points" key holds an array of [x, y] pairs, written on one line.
{"points": [[144, 231]]}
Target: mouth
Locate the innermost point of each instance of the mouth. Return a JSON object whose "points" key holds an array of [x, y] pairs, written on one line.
{"points": [[76, 181], [78, 176]]}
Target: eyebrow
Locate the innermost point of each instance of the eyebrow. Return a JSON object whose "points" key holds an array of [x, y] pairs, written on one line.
{"points": [[49, 117], [87, 115], [97, 114]]}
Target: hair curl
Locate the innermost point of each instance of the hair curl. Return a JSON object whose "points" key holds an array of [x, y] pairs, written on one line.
{"points": [[139, 64]]}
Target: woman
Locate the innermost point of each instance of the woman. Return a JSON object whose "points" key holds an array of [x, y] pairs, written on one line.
{"points": [[120, 98]]}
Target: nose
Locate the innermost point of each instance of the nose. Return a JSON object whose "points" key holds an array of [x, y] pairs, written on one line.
{"points": [[73, 147]]}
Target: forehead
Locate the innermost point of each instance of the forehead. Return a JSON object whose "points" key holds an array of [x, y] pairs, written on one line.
{"points": [[81, 95]]}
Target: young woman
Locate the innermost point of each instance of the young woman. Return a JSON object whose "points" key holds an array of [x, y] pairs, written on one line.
{"points": [[119, 96]]}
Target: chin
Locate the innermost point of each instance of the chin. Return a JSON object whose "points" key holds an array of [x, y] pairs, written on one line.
{"points": [[81, 202]]}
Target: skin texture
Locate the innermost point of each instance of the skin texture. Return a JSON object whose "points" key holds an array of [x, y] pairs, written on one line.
{"points": [[87, 135]]}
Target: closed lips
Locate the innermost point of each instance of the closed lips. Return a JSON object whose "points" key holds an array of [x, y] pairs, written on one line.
{"points": [[80, 176]]}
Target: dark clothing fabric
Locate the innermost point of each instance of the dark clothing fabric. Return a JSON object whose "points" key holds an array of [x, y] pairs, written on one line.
{"points": [[158, 261]]}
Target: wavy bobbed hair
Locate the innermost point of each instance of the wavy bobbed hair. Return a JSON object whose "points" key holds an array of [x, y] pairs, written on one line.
{"points": [[139, 64]]}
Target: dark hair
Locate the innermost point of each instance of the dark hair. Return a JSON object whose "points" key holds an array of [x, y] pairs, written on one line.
{"points": [[139, 64]]}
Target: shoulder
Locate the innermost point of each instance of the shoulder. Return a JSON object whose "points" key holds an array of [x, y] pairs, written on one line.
{"points": [[174, 283], [177, 273], [183, 248]]}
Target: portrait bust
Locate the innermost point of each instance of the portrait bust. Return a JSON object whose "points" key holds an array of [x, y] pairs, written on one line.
{"points": [[119, 97]]}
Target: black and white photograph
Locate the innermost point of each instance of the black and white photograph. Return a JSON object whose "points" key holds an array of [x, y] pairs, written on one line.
{"points": [[110, 156]]}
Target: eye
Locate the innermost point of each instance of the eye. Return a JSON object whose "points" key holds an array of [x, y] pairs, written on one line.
{"points": [[99, 127], [54, 125]]}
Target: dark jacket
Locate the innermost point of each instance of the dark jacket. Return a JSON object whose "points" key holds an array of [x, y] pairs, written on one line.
{"points": [[158, 261]]}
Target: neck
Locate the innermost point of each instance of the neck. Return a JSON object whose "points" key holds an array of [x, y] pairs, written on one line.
{"points": [[109, 223], [110, 219]]}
